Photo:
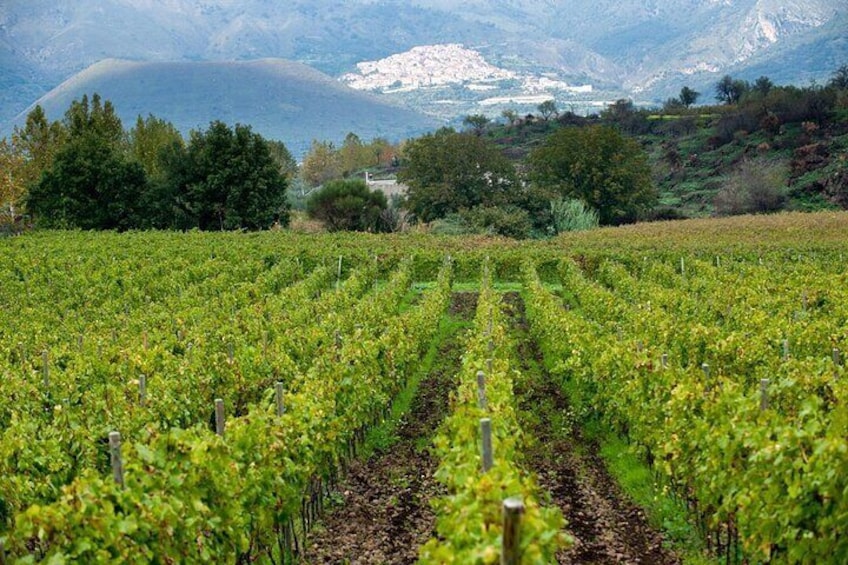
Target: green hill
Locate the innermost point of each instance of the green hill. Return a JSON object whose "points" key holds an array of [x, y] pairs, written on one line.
{"points": [[280, 99], [725, 160]]}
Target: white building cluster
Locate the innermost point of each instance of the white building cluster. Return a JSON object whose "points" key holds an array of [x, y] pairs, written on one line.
{"points": [[425, 66]]}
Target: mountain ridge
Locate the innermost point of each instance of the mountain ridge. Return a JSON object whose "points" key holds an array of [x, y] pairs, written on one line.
{"points": [[627, 47], [280, 99]]}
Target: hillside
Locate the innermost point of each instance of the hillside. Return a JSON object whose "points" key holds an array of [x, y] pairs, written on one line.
{"points": [[280, 99], [645, 50], [706, 160]]}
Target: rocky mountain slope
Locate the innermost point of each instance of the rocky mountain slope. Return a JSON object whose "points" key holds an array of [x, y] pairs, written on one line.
{"points": [[643, 48]]}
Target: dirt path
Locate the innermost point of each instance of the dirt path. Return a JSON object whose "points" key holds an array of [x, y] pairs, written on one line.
{"points": [[607, 527], [385, 515]]}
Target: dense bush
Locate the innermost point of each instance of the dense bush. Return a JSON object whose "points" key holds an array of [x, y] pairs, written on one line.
{"points": [[509, 221], [754, 187], [348, 205]]}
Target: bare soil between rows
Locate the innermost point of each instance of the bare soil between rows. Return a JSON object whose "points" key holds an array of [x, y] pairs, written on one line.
{"points": [[385, 513], [606, 525]]}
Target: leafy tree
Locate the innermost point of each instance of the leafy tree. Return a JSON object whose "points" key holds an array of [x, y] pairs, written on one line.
{"points": [[448, 171], [96, 117], [354, 155], [596, 164], [840, 78], [730, 91], [348, 205], [383, 152], [148, 139], [477, 122], [227, 179], [12, 188], [548, 109], [763, 85], [624, 114], [90, 182], [284, 159], [672, 105], [511, 116], [688, 96], [321, 164], [91, 185], [37, 142]]}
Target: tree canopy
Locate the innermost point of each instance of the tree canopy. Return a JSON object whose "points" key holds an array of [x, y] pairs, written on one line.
{"points": [[448, 171], [91, 185], [688, 96], [599, 166], [227, 179], [87, 172], [730, 91]]}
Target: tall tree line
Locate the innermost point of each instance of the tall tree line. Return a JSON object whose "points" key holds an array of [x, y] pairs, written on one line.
{"points": [[86, 171]]}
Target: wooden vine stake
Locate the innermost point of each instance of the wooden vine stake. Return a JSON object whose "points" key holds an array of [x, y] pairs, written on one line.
{"points": [[115, 458], [482, 401], [45, 369], [837, 357], [486, 433], [705, 367], [785, 349], [513, 508], [764, 399], [339, 273], [142, 389], [664, 360], [219, 417], [278, 395]]}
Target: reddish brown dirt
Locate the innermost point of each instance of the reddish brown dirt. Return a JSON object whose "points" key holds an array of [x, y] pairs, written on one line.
{"points": [[385, 515], [606, 526]]}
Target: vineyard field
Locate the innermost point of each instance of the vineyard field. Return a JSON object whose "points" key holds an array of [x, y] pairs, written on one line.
{"points": [[245, 373]]}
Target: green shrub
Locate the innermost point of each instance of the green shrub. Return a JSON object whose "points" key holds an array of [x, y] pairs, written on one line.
{"points": [[348, 205], [571, 214], [509, 221], [756, 187]]}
